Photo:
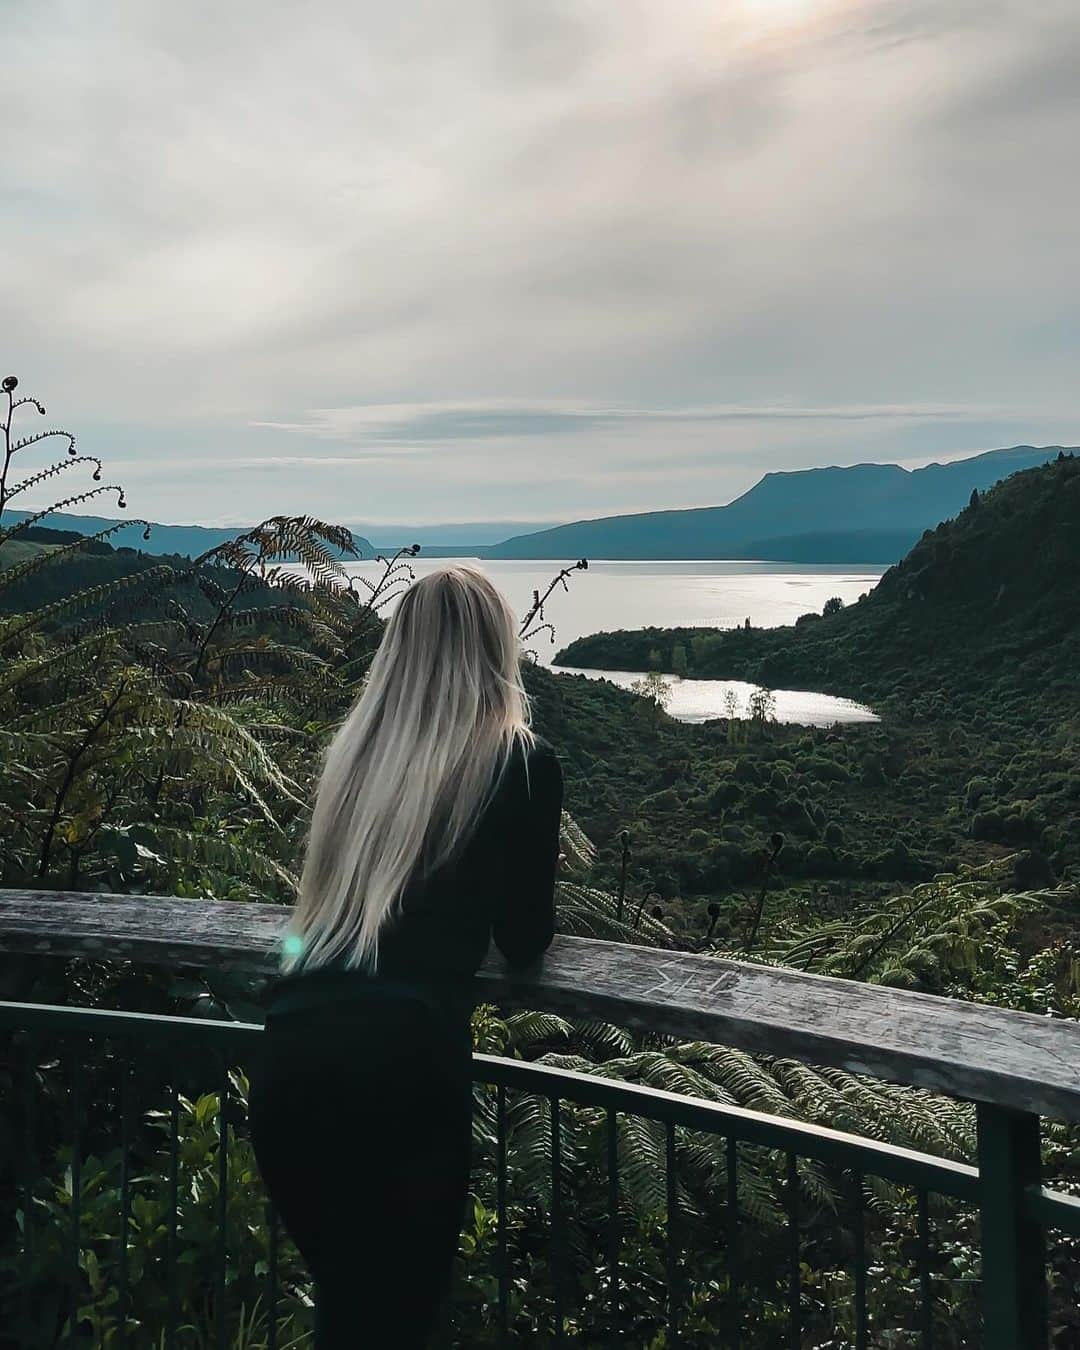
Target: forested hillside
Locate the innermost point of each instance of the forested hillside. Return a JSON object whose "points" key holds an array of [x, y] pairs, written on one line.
{"points": [[129, 582]]}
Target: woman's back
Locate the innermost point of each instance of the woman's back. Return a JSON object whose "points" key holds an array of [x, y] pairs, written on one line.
{"points": [[499, 885], [416, 858]]}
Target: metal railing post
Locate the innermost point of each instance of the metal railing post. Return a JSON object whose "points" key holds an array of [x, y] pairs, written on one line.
{"points": [[1013, 1245]]}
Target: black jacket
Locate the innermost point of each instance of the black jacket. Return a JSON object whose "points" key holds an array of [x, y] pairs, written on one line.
{"points": [[499, 886]]}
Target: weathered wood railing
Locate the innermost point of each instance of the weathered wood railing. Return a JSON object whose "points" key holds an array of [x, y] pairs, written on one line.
{"points": [[1015, 1066], [966, 1050]]}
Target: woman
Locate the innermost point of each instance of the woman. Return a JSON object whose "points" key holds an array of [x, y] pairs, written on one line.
{"points": [[435, 828]]}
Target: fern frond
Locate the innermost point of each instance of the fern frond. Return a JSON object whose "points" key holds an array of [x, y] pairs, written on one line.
{"points": [[59, 467], [219, 853], [75, 500], [585, 911], [578, 848], [529, 1028]]}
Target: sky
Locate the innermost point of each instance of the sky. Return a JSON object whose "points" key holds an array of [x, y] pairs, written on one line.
{"points": [[534, 260]]}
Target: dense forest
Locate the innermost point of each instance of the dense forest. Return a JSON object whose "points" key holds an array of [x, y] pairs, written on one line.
{"points": [[161, 722]]}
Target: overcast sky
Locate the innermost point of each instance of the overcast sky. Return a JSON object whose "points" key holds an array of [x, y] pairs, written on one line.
{"points": [[535, 259]]}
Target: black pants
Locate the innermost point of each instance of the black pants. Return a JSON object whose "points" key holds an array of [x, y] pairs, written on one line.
{"points": [[360, 1113]]}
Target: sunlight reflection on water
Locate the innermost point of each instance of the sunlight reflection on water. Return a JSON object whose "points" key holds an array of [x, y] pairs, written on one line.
{"points": [[698, 700]]}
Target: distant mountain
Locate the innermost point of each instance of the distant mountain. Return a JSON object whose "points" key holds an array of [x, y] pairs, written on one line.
{"points": [[186, 540], [865, 513], [453, 537], [466, 539]]}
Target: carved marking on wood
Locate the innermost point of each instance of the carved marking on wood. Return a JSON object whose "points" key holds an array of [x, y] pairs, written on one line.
{"points": [[690, 981]]}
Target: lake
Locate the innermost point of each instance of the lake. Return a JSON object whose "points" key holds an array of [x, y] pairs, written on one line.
{"points": [[698, 700], [613, 595]]}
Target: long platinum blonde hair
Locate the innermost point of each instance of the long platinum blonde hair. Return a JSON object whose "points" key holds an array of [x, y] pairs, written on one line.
{"points": [[410, 770]]}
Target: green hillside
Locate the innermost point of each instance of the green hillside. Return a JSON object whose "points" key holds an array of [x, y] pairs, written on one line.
{"points": [[97, 564], [16, 551], [970, 647]]}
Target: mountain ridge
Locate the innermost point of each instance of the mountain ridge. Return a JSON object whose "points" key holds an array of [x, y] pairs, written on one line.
{"points": [[787, 505]]}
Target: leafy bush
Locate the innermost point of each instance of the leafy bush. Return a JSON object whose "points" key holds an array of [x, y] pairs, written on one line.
{"points": [[194, 1278], [976, 789], [987, 825]]}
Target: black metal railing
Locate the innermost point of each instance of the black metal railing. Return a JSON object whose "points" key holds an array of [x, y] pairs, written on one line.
{"points": [[86, 1252], [794, 1140]]}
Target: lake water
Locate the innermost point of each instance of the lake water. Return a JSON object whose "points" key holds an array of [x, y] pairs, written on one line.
{"points": [[614, 595], [698, 700]]}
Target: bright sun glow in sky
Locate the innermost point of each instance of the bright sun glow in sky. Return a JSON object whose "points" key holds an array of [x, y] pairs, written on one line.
{"points": [[781, 10], [774, 19], [552, 259]]}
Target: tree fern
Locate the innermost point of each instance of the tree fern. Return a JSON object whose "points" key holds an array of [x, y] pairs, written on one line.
{"points": [[585, 911], [219, 852]]}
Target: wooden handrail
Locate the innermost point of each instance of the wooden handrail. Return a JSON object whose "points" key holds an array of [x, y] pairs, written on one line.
{"points": [[966, 1050]]}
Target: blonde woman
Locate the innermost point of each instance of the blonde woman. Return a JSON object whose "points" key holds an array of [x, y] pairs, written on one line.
{"points": [[435, 829]]}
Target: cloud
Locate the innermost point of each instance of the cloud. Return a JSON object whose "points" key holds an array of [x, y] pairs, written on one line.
{"points": [[596, 253], [418, 425]]}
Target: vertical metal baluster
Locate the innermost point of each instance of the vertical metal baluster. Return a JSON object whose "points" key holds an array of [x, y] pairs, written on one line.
{"points": [[794, 1275], [125, 1195], [672, 1223], [924, 1273], [859, 1218], [223, 1195], [272, 1230], [500, 1208], [556, 1220], [613, 1220], [733, 1236], [76, 1193], [30, 1123], [174, 1183], [1013, 1242]]}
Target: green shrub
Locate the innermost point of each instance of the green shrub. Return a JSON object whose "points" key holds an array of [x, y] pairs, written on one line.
{"points": [[746, 771], [764, 801], [987, 825], [819, 861], [976, 790], [665, 801], [826, 770], [194, 1279], [723, 794]]}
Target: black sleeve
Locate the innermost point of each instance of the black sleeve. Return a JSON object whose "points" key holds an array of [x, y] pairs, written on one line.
{"points": [[524, 919]]}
